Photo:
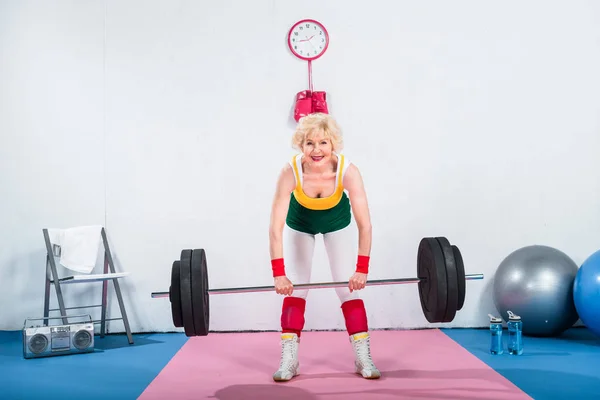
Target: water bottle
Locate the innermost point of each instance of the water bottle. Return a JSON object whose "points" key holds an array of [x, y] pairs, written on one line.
{"points": [[515, 334], [496, 335]]}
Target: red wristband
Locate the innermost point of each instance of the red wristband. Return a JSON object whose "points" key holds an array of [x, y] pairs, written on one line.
{"points": [[278, 267], [362, 264]]}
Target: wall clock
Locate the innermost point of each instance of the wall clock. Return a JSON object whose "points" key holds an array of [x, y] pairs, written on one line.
{"points": [[308, 39]]}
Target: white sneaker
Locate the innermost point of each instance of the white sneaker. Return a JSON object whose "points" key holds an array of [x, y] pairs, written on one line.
{"points": [[289, 365], [364, 364]]}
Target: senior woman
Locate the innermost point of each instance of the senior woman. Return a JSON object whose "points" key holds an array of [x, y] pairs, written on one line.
{"points": [[317, 193]]}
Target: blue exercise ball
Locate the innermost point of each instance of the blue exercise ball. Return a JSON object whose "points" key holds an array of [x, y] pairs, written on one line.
{"points": [[536, 283], [586, 292]]}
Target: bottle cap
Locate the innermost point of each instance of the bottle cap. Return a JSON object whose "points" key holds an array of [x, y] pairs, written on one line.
{"points": [[494, 319], [513, 317]]}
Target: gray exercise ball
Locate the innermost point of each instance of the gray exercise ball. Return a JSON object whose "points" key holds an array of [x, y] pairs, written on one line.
{"points": [[536, 282]]}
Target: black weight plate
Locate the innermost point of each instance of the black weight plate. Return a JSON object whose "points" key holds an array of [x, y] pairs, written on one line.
{"points": [[460, 273], [433, 288], [175, 295], [451, 279], [187, 307], [200, 292]]}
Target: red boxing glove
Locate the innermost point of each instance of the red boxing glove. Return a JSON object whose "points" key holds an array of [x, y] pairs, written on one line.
{"points": [[319, 102], [278, 267], [362, 264], [303, 105]]}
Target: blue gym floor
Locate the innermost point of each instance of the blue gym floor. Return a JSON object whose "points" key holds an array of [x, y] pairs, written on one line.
{"points": [[566, 367], [552, 368]]}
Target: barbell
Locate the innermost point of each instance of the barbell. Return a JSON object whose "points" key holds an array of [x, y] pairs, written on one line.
{"points": [[440, 277]]}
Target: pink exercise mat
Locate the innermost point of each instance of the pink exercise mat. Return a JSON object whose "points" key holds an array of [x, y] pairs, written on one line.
{"points": [[417, 364]]}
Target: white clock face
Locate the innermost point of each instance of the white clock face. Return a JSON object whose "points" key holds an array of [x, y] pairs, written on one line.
{"points": [[308, 39]]}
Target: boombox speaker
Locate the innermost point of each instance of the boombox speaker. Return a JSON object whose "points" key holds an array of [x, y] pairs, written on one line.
{"points": [[46, 341]]}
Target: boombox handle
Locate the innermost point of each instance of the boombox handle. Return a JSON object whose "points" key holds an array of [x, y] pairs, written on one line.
{"points": [[57, 317]]}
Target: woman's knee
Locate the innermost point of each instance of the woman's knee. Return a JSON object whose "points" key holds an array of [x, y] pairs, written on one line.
{"points": [[302, 293], [344, 294]]}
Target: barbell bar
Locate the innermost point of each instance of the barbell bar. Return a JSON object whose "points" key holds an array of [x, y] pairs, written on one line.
{"points": [[441, 281], [317, 285]]}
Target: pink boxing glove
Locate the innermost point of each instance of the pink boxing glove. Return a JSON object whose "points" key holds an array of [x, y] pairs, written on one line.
{"points": [[319, 102], [303, 104]]}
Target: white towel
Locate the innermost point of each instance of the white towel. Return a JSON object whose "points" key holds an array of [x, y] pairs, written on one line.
{"points": [[79, 246]]}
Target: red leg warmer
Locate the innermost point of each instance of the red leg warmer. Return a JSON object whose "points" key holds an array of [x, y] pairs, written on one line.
{"points": [[292, 315], [355, 316]]}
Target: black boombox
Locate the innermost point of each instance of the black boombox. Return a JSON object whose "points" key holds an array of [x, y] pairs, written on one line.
{"points": [[46, 341]]}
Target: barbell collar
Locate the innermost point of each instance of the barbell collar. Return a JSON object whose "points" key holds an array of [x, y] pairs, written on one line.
{"points": [[322, 285]]}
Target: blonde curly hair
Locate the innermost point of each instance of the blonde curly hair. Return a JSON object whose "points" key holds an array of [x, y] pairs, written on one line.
{"points": [[318, 122]]}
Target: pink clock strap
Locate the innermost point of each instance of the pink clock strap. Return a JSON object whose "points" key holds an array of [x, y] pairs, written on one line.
{"points": [[310, 84]]}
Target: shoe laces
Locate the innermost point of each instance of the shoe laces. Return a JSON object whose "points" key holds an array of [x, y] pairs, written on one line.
{"points": [[287, 353], [363, 351]]}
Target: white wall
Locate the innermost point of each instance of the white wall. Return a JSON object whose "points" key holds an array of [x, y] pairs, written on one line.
{"points": [[51, 141], [169, 121]]}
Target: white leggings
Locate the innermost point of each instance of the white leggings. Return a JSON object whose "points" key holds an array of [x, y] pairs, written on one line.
{"points": [[340, 245]]}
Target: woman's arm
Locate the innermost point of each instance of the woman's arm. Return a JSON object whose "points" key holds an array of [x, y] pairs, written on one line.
{"points": [[360, 208], [281, 202], [353, 182], [285, 185]]}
